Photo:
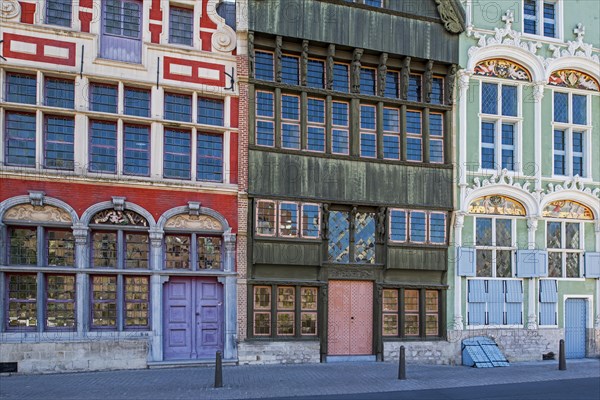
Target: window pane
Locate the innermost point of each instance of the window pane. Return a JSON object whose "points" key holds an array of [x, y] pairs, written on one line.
{"points": [[437, 228], [61, 248], [341, 80], [573, 265], [340, 114], [339, 237], [489, 98], [131, 20], [112, 17], [554, 264], [177, 154], [308, 297], [484, 263], [391, 84], [285, 323], [411, 309], [315, 74], [418, 227], [390, 324], [340, 141], [209, 253], [504, 232], [286, 296], [436, 125], [58, 142], [264, 104], [60, 304], [413, 149], [368, 145], [262, 324], [509, 100], [21, 88], [503, 263], [290, 70], [23, 246], [391, 147], [137, 295], [549, 19], [487, 143], [104, 253], [530, 19], [265, 218], [364, 238], [103, 98], [211, 111], [137, 102], [178, 107], [316, 111], [367, 81], [22, 301], [414, 87], [437, 91], [561, 107], [579, 109], [559, 153], [177, 252], [59, 92], [290, 136], [103, 146], [310, 220], [390, 300], [136, 152], [181, 27], [413, 122], [58, 12], [209, 158], [436, 151], [288, 219], [483, 232], [137, 250], [309, 323], [104, 301], [572, 235], [367, 117], [263, 65], [20, 139], [262, 297], [553, 235], [398, 225], [315, 139]]}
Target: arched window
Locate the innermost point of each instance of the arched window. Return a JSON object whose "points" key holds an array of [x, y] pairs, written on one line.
{"points": [[119, 241], [193, 242], [42, 297], [567, 209], [497, 205]]}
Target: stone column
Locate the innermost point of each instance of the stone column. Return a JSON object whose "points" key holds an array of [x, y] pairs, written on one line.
{"points": [[156, 285], [459, 222], [82, 260], [230, 297], [463, 85], [538, 95], [597, 316], [532, 224]]}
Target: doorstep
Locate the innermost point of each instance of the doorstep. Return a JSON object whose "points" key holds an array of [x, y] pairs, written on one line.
{"points": [[335, 359], [189, 363]]}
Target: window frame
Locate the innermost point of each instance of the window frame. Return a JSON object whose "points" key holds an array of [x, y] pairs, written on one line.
{"points": [[47, 9], [400, 313], [300, 232], [540, 20], [563, 250], [370, 132], [316, 125], [289, 121], [178, 8], [494, 248], [265, 119], [340, 128]]}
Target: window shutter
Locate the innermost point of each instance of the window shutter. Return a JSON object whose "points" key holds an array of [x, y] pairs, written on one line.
{"points": [[477, 298], [495, 302], [548, 299], [514, 301], [465, 258], [592, 265], [532, 263]]}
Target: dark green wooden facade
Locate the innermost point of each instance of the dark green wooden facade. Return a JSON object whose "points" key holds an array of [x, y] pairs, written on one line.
{"points": [[411, 34]]}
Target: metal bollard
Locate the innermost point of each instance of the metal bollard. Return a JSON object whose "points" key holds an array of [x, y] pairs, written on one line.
{"points": [[402, 364], [218, 371], [562, 360]]}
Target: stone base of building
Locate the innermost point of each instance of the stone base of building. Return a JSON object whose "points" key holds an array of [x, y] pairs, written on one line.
{"points": [[254, 352], [48, 357], [438, 352]]}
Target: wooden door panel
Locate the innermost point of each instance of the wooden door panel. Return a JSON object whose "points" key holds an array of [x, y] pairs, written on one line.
{"points": [[209, 317], [177, 319], [361, 331], [339, 318]]}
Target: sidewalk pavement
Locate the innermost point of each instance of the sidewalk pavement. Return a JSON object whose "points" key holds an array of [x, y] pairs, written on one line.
{"points": [[244, 382]]}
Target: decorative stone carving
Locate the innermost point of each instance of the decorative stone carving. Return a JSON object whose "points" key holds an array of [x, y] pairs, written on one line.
{"points": [[355, 70], [538, 91], [156, 238], [80, 233], [452, 20], [501, 68], [330, 65], [381, 74], [251, 59], [572, 184], [36, 198], [31, 213], [349, 272], [459, 220], [9, 9], [118, 203], [573, 79], [194, 207], [575, 48], [449, 83], [532, 224], [304, 63], [428, 78], [278, 56], [194, 223], [498, 179], [405, 79], [325, 222], [381, 214], [224, 39], [116, 217]]}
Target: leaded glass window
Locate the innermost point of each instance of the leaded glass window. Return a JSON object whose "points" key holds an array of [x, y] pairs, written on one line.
{"points": [[290, 122], [104, 301], [367, 81], [22, 246], [495, 247], [564, 244], [59, 93], [59, 137], [265, 119], [571, 134], [414, 138], [437, 91], [290, 70], [339, 237], [264, 68], [177, 157], [209, 157], [311, 220], [19, 142], [286, 297], [103, 98], [58, 12], [391, 133], [137, 302], [390, 312], [308, 308], [178, 107], [368, 131], [392, 83], [211, 111], [341, 78], [288, 219], [364, 238], [436, 138], [209, 252], [265, 218], [177, 251], [419, 309], [22, 301], [21, 88], [136, 150], [103, 147], [137, 102], [315, 74], [340, 139], [415, 90], [60, 303], [316, 125], [540, 18], [411, 312], [181, 26], [60, 247]]}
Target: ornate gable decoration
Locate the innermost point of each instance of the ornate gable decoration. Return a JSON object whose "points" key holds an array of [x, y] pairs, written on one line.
{"points": [[194, 223], [453, 21], [504, 178], [43, 214], [575, 48], [116, 217], [567, 209], [496, 205], [504, 36], [501, 68], [572, 184], [9, 9], [573, 79]]}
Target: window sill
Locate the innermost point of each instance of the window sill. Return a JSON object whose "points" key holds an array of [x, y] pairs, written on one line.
{"points": [[484, 327], [119, 64], [544, 39], [563, 178]]}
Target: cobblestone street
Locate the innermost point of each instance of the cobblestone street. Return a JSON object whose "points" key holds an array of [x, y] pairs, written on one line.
{"points": [[243, 382]]}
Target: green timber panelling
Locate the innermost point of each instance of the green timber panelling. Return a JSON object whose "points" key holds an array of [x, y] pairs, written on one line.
{"points": [[375, 30], [286, 253], [395, 276], [299, 176], [417, 258], [285, 272]]}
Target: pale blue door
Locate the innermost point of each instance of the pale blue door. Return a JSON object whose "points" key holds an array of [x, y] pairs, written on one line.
{"points": [[575, 329]]}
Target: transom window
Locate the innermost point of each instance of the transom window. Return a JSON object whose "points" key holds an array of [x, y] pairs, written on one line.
{"points": [[565, 247], [571, 134], [178, 107], [211, 111], [392, 84], [192, 251], [24, 242], [540, 17], [103, 98], [284, 311], [288, 219], [499, 126], [137, 102], [495, 246], [417, 226], [415, 87], [59, 93], [21, 88], [411, 312]]}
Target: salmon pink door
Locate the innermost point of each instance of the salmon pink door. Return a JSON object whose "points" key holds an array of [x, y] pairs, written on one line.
{"points": [[193, 318], [350, 325]]}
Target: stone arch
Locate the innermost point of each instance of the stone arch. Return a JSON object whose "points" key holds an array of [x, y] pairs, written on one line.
{"points": [[576, 63], [587, 199], [92, 210], [18, 200], [514, 54], [167, 215], [522, 196]]}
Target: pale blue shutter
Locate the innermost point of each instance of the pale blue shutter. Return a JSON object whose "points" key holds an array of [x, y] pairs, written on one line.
{"points": [[532, 263], [465, 259], [592, 265], [514, 300], [548, 299], [495, 302], [477, 299]]}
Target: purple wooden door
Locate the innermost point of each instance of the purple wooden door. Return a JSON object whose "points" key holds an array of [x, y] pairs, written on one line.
{"points": [[193, 318]]}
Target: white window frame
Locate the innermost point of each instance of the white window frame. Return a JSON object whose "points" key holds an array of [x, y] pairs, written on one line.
{"points": [[498, 120], [563, 250], [539, 6], [195, 7], [568, 128], [493, 247]]}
